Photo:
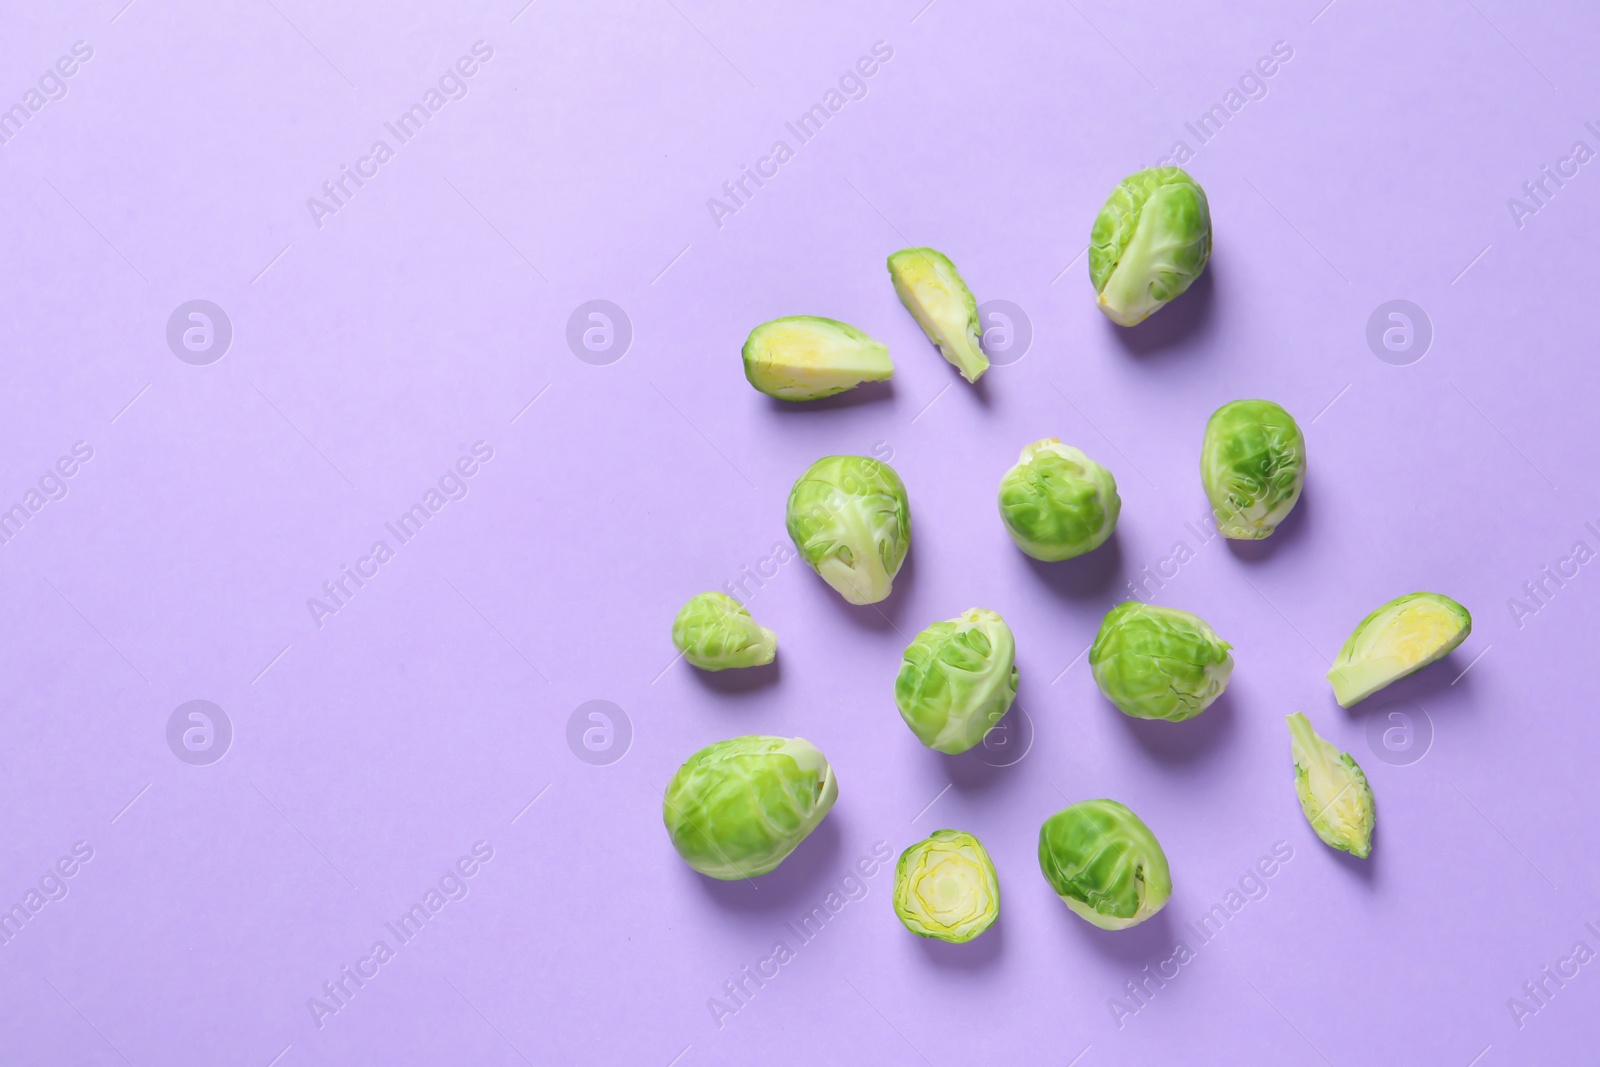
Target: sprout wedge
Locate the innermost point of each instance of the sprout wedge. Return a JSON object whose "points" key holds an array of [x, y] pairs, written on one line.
{"points": [[806, 357], [946, 887], [931, 288], [1402, 637], [1333, 790]]}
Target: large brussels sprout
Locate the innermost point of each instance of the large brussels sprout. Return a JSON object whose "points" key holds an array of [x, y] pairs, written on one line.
{"points": [[738, 807], [1333, 790], [957, 679], [1150, 241], [1058, 503], [1104, 863], [1403, 636], [1253, 465], [932, 290], [715, 632], [1159, 663], [946, 887], [850, 521], [804, 357]]}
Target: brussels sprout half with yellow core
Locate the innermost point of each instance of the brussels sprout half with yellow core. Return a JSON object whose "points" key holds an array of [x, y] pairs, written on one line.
{"points": [[1104, 863], [850, 521], [946, 887], [715, 632], [1333, 790], [1253, 466], [1149, 243], [737, 808], [806, 357], [957, 679], [931, 288], [1159, 663], [1402, 637], [1058, 503]]}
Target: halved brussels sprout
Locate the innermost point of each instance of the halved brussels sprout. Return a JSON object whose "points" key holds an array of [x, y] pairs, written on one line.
{"points": [[1104, 862], [1058, 503], [806, 357], [735, 809], [1333, 790], [1253, 465], [1159, 663], [946, 887], [715, 632], [957, 679], [932, 290], [1403, 636], [1149, 243], [850, 521]]}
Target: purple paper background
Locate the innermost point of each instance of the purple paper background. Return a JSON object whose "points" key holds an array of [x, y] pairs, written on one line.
{"points": [[425, 315]]}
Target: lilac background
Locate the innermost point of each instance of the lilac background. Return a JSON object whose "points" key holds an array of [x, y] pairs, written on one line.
{"points": [[370, 353]]}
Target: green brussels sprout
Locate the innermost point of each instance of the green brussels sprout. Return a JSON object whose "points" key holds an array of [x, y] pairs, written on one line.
{"points": [[1149, 243], [850, 521], [715, 632], [1159, 663], [946, 887], [1058, 503], [1104, 862], [1253, 465], [738, 807], [957, 679], [932, 290], [1333, 791], [804, 357], [1403, 636]]}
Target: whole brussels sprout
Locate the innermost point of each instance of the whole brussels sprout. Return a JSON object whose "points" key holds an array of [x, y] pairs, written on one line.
{"points": [[1400, 638], [1058, 503], [1159, 663], [849, 518], [806, 357], [946, 887], [957, 679], [930, 287], [1104, 863], [1253, 465], [1333, 790], [1149, 243], [715, 632], [738, 807]]}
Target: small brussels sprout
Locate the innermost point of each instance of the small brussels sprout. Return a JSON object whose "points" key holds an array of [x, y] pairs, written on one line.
{"points": [[957, 679], [738, 807], [1057, 502], [1104, 862], [1333, 790], [1253, 465], [1159, 663], [850, 521], [946, 887], [715, 632], [1403, 636], [1149, 243], [805, 357], [931, 289]]}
